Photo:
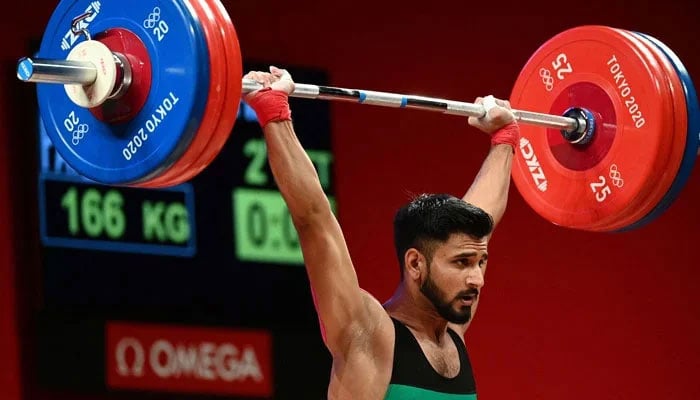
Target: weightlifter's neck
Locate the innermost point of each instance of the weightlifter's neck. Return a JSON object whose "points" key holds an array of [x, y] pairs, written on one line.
{"points": [[417, 313]]}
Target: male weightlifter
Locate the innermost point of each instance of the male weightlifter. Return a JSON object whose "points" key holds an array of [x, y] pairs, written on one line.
{"points": [[412, 346]]}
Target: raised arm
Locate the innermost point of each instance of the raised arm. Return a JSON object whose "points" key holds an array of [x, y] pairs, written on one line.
{"points": [[334, 283], [489, 190]]}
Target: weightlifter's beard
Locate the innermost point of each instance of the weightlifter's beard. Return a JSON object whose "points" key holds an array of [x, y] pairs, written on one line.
{"points": [[450, 310]]}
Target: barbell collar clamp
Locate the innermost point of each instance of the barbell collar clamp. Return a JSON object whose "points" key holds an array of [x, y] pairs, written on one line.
{"points": [[584, 134], [73, 72]]}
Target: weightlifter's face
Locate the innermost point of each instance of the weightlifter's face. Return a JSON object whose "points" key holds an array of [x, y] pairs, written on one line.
{"points": [[455, 276]]}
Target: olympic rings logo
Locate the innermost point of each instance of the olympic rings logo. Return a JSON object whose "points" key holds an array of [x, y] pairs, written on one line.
{"points": [[79, 133], [547, 79], [152, 19], [616, 176]]}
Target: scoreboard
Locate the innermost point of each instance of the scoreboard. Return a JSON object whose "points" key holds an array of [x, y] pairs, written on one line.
{"points": [[218, 251], [81, 215]]}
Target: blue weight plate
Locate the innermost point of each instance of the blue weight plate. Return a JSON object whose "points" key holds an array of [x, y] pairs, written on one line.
{"points": [[151, 141], [692, 140]]}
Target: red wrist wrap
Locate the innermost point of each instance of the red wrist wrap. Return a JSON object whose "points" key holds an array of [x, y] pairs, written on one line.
{"points": [[509, 134], [270, 106]]}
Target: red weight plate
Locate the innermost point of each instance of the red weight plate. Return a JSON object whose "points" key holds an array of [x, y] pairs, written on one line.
{"points": [[215, 102], [665, 176], [130, 103], [623, 85], [232, 92]]}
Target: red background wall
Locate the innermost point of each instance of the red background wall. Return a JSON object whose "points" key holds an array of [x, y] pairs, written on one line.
{"points": [[565, 314]]}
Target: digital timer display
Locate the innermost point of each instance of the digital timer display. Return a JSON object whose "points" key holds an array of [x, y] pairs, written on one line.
{"points": [[263, 227]]}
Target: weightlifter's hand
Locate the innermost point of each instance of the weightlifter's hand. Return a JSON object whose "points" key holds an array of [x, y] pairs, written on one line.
{"points": [[499, 121], [270, 103], [276, 79]]}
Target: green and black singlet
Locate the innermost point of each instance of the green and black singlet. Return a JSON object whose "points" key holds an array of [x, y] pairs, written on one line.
{"points": [[413, 378]]}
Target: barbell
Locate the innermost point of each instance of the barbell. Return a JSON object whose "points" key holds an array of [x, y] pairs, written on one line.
{"points": [[145, 94]]}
